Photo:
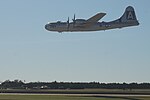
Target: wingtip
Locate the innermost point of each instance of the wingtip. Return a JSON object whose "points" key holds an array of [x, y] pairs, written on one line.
{"points": [[102, 13]]}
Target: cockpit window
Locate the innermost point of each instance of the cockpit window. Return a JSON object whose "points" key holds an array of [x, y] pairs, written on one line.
{"points": [[49, 22], [58, 21]]}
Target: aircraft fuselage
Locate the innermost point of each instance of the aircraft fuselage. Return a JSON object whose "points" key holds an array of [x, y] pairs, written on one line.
{"points": [[63, 27], [79, 25]]}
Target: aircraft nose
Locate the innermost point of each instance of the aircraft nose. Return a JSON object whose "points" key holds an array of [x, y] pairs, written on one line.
{"points": [[46, 27]]}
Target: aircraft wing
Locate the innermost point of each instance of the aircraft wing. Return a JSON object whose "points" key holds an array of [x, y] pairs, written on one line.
{"points": [[96, 18], [92, 20]]}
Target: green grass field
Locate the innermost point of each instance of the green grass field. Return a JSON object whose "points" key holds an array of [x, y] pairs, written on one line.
{"points": [[62, 97]]}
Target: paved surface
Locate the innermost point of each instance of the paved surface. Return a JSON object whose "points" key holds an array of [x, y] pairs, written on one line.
{"points": [[90, 95]]}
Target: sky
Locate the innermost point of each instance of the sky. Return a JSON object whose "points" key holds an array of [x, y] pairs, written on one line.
{"points": [[29, 52]]}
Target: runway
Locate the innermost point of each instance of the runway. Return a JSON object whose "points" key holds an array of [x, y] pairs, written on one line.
{"points": [[87, 95]]}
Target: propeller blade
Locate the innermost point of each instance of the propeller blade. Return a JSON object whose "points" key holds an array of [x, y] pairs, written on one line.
{"points": [[74, 20], [68, 23], [74, 17]]}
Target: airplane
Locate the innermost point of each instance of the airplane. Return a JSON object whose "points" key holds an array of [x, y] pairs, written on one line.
{"points": [[81, 25]]}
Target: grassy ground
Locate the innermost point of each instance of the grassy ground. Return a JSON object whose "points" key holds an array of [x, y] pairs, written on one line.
{"points": [[69, 97]]}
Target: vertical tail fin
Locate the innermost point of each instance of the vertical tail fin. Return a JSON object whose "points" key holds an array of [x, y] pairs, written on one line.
{"points": [[129, 15]]}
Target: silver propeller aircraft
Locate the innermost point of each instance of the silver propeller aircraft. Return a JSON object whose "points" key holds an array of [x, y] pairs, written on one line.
{"points": [[92, 24]]}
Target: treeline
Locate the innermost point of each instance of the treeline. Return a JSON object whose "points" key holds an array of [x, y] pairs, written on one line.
{"points": [[18, 84]]}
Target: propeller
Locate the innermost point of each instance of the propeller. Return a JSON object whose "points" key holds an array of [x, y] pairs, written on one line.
{"points": [[68, 23], [74, 19]]}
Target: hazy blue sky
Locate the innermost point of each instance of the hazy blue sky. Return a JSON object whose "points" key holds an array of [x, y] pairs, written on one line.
{"points": [[29, 52]]}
